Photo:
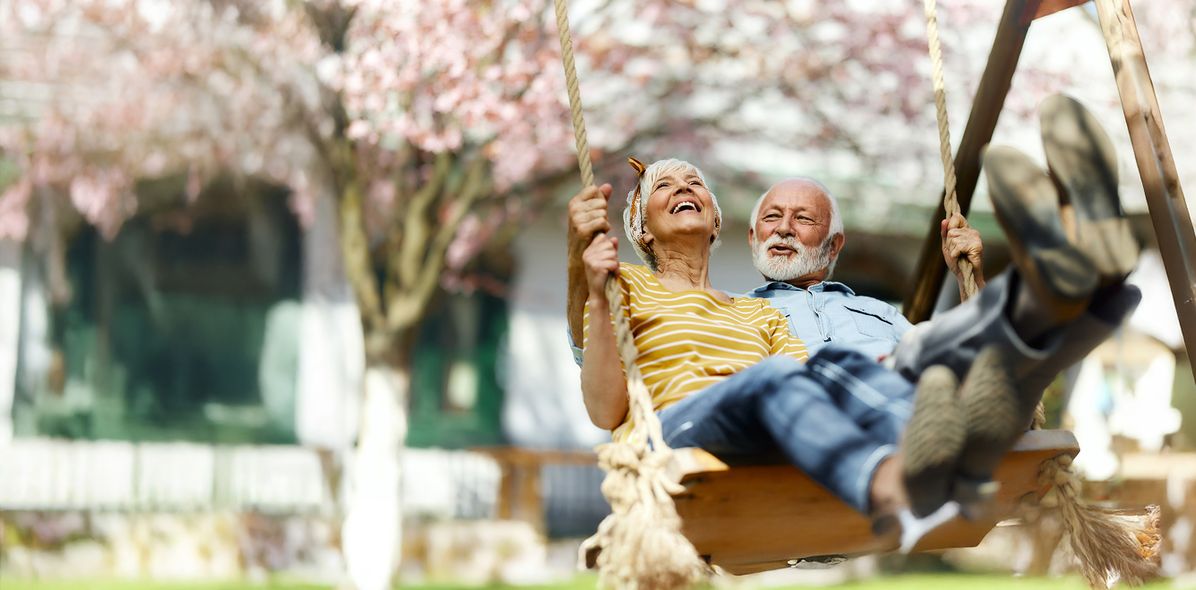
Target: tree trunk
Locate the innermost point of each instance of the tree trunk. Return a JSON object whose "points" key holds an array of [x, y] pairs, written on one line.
{"points": [[372, 533]]}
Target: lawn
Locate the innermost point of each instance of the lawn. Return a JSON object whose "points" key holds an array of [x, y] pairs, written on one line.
{"points": [[902, 582]]}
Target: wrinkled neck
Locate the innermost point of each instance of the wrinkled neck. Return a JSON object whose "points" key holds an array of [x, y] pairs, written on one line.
{"points": [[685, 269]]}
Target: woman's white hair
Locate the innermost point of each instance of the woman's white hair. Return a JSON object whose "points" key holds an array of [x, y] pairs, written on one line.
{"points": [[635, 216]]}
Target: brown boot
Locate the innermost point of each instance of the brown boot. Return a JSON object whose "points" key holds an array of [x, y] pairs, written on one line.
{"points": [[996, 417], [1083, 161], [1059, 278], [933, 441]]}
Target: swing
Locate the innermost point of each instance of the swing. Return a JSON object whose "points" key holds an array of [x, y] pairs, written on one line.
{"points": [[755, 516], [677, 512]]}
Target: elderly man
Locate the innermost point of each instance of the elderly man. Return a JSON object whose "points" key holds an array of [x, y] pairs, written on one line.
{"points": [[796, 235]]}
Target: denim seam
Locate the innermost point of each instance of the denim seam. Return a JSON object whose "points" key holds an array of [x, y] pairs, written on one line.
{"points": [[856, 387], [672, 434]]}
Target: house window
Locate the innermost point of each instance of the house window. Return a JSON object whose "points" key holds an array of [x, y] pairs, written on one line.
{"points": [[182, 327], [456, 401]]}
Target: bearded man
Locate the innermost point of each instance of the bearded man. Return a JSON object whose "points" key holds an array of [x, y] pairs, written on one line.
{"points": [[796, 235]]}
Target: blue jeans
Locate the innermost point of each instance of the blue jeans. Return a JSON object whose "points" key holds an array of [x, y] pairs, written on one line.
{"points": [[835, 417]]}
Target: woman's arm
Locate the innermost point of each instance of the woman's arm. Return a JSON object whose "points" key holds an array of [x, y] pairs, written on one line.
{"points": [[603, 385]]}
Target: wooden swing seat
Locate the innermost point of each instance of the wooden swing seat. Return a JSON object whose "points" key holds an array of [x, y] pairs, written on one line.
{"points": [[749, 518]]}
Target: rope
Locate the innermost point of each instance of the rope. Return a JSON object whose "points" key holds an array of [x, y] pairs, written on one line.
{"points": [[950, 200], [1109, 545], [571, 84], [640, 542]]}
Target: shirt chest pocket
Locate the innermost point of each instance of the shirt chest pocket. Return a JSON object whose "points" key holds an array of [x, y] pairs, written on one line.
{"points": [[870, 324]]}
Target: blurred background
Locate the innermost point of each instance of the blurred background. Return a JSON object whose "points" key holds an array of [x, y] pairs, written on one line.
{"points": [[282, 283]]}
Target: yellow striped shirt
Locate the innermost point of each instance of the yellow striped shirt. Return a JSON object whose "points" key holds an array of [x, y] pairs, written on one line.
{"points": [[690, 340]]}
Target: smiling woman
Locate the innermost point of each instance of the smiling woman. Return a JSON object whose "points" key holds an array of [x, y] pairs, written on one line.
{"points": [[678, 188]]}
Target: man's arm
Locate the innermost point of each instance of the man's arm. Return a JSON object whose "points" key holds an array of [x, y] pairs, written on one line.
{"points": [[961, 240], [587, 218]]}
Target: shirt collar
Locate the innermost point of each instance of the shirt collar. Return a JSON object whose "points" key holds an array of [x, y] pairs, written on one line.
{"points": [[815, 288]]}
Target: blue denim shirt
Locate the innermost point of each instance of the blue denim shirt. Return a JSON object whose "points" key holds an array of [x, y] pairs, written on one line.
{"points": [[831, 312]]}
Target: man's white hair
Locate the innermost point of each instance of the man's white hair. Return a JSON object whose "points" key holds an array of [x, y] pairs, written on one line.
{"points": [[635, 215], [836, 224]]}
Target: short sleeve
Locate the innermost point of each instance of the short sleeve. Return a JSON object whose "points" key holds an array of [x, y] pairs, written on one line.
{"points": [[781, 341]]}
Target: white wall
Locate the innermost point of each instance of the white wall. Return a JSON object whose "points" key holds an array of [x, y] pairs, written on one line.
{"points": [[331, 355]]}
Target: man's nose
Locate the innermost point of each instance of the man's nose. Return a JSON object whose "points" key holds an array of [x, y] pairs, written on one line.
{"points": [[784, 229]]}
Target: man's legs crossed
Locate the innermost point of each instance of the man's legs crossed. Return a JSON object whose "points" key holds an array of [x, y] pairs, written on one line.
{"points": [[955, 337]]}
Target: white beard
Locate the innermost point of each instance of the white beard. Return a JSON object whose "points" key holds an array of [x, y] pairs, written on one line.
{"points": [[804, 261]]}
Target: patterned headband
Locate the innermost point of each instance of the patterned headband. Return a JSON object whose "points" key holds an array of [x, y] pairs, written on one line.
{"points": [[640, 168]]}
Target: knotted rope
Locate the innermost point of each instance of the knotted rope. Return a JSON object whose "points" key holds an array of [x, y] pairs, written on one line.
{"points": [[641, 544], [1107, 545], [1110, 546]]}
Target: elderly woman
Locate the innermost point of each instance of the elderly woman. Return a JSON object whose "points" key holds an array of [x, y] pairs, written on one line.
{"points": [[725, 374]]}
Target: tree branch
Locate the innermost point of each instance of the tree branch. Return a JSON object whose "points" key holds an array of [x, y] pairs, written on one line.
{"points": [[409, 304], [416, 231], [356, 251]]}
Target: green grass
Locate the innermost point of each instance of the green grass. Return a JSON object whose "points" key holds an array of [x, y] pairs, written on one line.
{"points": [[899, 582], [11, 584], [976, 582]]}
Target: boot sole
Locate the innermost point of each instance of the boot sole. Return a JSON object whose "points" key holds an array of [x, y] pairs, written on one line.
{"points": [[1026, 206], [1083, 160], [933, 441], [994, 414]]}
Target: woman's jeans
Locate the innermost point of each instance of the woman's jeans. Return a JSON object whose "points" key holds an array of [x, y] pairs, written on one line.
{"points": [[835, 417]]}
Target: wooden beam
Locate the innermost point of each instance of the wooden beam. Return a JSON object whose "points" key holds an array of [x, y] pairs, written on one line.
{"points": [[1160, 180], [1048, 7], [986, 108]]}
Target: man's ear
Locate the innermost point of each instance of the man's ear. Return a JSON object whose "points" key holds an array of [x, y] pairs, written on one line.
{"points": [[837, 243], [751, 236]]}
